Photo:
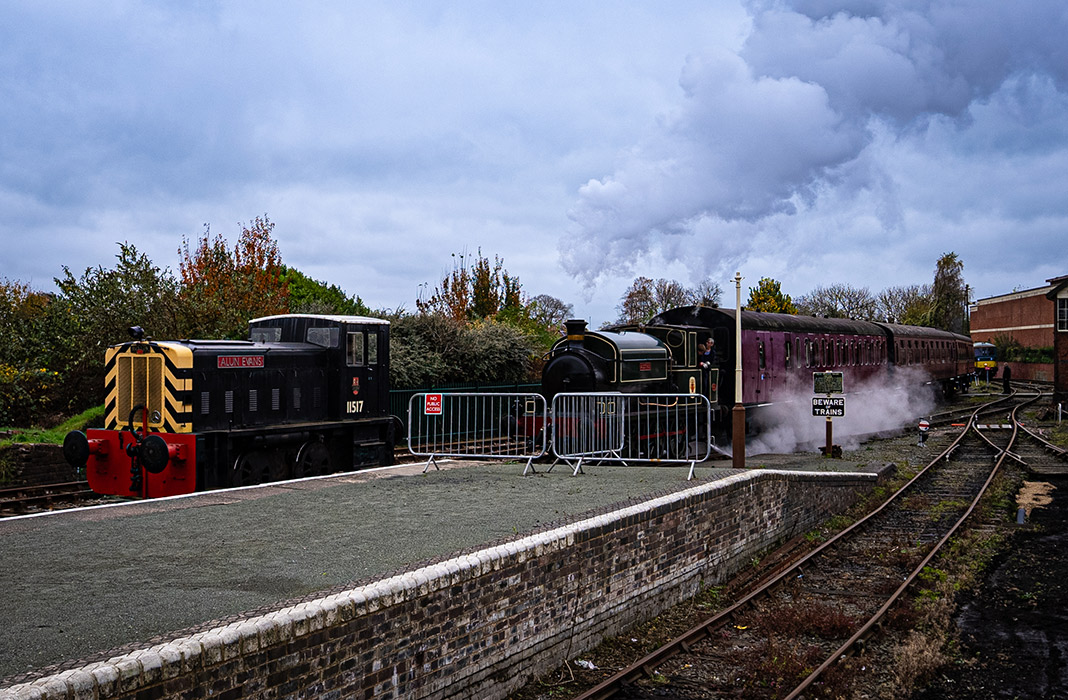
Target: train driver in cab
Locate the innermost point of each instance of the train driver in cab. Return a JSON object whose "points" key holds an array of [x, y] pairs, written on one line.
{"points": [[706, 353]]}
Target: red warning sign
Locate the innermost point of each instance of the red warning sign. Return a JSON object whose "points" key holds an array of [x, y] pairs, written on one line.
{"points": [[432, 405]]}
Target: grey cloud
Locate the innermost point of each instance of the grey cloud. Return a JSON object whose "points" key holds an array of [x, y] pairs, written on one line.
{"points": [[817, 107]]}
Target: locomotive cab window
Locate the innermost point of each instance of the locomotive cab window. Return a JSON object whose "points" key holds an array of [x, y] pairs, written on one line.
{"points": [[265, 334], [354, 349], [323, 337], [372, 348], [361, 348]]}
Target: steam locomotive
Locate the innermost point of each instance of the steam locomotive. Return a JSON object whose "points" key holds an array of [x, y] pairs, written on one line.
{"points": [[779, 354], [305, 395]]}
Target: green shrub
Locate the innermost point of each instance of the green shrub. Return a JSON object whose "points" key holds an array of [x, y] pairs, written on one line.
{"points": [[27, 396]]}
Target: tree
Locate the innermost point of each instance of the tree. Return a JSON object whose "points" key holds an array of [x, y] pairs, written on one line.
{"points": [[548, 311], [949, 296], [707, 293], [432, 349], [29, 388], [906, 304], [309, 296], [768, 296], [95, 311], [839, 301], [223, 290], [647, 297], [639, 302], [480, 291]]}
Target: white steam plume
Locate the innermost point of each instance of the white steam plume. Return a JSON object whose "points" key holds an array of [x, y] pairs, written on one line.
{"points": [[882, 404]]}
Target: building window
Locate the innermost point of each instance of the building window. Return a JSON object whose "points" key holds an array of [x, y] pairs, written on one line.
{"points": [[1062, 314]]}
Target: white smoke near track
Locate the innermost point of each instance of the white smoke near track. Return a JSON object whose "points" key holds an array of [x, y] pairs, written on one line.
{"points": [[884, 404], [817, 114]]}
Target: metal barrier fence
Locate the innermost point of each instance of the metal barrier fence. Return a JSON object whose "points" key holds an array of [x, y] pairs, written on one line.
{"points": [[500, 425], [626, 428]]}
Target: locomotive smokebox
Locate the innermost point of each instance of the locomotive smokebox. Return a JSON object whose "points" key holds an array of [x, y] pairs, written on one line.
{"points": [[576, 330]]}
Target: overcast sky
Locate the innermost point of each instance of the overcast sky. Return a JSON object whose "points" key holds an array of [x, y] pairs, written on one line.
{"points": [[586, 143]]}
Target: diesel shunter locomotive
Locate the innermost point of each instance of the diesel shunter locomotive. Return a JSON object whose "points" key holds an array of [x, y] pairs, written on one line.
{"points": [[305, 395]]}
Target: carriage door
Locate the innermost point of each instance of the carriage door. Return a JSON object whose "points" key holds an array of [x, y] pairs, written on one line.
{"points": [[360, 380], [764, 366]]}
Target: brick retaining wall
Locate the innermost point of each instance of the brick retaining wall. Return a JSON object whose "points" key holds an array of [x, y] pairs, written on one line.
{"points": [[30, 465], [482, 624]]}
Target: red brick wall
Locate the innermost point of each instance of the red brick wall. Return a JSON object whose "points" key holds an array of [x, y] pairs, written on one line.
{"points": [[483, 624], [1026, 316]]}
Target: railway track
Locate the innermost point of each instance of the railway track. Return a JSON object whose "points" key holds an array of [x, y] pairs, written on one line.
{"points": [[20, 500], [795, 635]]}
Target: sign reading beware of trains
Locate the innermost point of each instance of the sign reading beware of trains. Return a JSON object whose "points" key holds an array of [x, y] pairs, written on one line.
{"points": [[828, 406]]}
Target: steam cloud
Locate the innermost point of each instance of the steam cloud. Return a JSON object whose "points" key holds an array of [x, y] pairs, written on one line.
{"points": [[882, 404], [805, 112]]}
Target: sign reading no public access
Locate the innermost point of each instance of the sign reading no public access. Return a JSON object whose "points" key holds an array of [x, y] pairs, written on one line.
{"points": [[828, 406], [432, 405]]}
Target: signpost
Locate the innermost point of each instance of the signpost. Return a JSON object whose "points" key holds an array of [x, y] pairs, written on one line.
{"points": [[924, 427], [828, 383]]}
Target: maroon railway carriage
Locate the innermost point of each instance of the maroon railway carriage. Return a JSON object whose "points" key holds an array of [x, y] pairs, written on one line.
{"points": [[780, 352]]}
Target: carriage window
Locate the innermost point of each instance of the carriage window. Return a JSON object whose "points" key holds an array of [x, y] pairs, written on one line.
{"points": [[763, 360], [787, 356], [354, 349]]}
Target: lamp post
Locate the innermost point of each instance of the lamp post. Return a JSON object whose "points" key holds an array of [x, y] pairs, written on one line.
{"points": [[738, 414]]}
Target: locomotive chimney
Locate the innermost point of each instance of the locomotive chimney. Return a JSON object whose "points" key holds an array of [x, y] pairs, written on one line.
{"points": [[576, 330]]}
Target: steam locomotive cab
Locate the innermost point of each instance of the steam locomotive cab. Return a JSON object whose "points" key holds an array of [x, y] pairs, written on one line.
{"points": [[304, 395]]}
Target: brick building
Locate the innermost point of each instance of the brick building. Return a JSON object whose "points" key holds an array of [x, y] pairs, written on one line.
{"points": [[1035, 318], [1027, 317], [1058, 297]]}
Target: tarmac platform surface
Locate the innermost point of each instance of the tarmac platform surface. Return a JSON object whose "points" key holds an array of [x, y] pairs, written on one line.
{"points": [[79, 585]]}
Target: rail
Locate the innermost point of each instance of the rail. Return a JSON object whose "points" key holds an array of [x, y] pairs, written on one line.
{"points": [[810, 582]]}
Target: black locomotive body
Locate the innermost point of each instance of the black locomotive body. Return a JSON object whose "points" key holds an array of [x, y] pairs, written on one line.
{"points": [[304, 395]]}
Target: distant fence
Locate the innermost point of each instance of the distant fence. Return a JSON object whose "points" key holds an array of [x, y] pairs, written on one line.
{"points": [[580, 428], [482, 424]]}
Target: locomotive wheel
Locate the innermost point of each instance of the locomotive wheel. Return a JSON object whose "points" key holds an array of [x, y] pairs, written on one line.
{"points": [[312, 460], [677, 447], [249, 468]]}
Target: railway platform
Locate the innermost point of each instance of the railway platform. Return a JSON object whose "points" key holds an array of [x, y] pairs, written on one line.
{"points": [[84, 585]]}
